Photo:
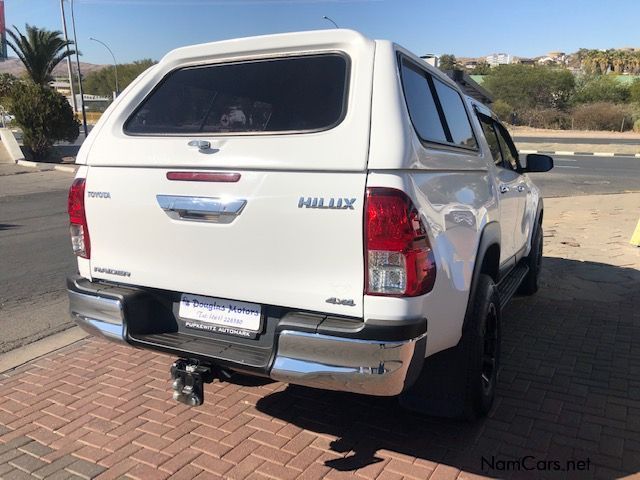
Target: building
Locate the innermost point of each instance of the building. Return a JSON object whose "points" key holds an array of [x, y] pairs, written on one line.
{"points": [[431, 59], [553, 58], [496, 59]]}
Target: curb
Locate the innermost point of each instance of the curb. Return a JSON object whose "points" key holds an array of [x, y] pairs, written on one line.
{"points": [[10, 144], [48, 166], [21, 355], [635, 238], [582, 154]]}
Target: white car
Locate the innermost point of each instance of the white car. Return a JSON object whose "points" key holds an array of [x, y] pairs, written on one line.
{"points": [[318, 208]]}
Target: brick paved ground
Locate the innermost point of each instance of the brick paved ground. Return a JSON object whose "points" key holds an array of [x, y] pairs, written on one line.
{"points": [[570, 390]]}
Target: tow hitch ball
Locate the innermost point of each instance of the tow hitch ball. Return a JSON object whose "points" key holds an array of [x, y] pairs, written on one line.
{"points": [[189, 377]]}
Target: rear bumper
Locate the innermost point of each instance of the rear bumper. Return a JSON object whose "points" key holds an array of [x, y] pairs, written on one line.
{"points": [[328, 360]]}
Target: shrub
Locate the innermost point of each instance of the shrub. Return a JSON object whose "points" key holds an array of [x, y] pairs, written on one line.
{"points": [[634, 91], [600, 88], [544, 118], [531, 87], [45, 117], [636, 126], [502, 109], [602, 116]]}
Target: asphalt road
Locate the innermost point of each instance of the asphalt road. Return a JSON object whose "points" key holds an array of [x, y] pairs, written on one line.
{"points": [[35, 257], [600, 141], [589, 175], [35, 252]]}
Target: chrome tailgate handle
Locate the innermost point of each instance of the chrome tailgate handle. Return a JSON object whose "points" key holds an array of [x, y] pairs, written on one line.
{"points": [[201, 209]]}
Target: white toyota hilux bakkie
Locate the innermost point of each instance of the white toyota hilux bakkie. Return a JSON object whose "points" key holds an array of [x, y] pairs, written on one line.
{"points": [[317, 208]]}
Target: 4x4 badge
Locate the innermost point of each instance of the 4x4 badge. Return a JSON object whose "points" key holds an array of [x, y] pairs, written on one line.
{"points": [[330, 203]]}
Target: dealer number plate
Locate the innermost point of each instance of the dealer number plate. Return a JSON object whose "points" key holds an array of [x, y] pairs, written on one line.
{"points": [[218, 315]]}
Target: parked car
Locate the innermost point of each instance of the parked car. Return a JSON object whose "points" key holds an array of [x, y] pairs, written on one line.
{"points": [[317, 208]]}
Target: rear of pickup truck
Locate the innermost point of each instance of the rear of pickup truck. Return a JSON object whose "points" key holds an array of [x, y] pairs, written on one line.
{"points": [[220, 215]]}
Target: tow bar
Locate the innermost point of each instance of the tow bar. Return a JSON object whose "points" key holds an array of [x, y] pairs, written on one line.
{"points": [[189, 377]]}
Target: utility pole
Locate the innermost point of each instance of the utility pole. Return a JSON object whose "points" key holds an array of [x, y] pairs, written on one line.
{"points": [[66, 39], [75, 40], [115, 63]]}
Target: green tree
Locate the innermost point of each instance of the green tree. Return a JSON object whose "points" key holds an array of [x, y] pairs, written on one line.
{"points": [[448, 62], [523, 86], [102, 82], [40, 50], [634, 92], [502, 109], [482, 68], [44, 115], [600, 88], [7, 82]]}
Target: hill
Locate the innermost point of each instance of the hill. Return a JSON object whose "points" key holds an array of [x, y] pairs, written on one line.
{"points": [[14, 67]]}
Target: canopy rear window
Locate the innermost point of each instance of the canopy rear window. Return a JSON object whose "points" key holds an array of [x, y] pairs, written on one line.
{"points": [[290, 94]]}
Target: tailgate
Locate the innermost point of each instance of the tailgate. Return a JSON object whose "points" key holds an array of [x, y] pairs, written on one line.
{"points": [[276, 250]]}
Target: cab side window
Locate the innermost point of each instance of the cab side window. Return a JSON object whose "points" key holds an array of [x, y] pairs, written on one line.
{"points": [[437, 110], [508, 149], [492, 139], [421, 105]]}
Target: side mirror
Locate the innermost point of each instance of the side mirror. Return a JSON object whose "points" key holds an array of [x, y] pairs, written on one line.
{"points": [[538, 163]]}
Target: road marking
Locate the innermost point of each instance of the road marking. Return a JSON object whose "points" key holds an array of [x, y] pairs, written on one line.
{"points": [[583, 154], [567, 160], [565, 166]]}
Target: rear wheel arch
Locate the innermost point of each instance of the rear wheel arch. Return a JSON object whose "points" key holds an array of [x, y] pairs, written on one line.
{"points": [[487, 260]]}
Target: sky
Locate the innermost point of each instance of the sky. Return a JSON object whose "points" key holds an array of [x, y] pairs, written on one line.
{"points": [[136, 29]]}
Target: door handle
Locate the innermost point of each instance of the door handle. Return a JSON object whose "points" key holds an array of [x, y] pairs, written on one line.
{"points": [[504, 188], [201, 209]]}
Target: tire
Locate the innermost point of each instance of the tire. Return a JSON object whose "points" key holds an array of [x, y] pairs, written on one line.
{"points": [[481, 347], [451, 383], [529, 284]]}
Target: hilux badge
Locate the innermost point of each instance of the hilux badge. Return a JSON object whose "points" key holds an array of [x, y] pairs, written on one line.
{"points": [[327, 203]]}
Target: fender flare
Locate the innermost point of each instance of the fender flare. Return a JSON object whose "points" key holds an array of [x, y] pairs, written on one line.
{"points": [[536, 224], [490, 236]]}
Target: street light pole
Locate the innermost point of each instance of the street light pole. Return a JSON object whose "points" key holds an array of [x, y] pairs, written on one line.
{"points": [[329, 19], [75, 40], [115, 64], [69, 71]]}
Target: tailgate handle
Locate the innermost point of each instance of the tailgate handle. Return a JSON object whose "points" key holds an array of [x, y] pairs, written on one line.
{"points": [[201, 209]]}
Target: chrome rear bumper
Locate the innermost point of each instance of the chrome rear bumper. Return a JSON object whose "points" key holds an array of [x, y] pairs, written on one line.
{"points": [[370, 367], [333, 362], [99, 316]]}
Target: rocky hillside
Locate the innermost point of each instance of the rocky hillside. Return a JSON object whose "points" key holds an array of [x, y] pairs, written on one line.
{"points": [[15, 67]]}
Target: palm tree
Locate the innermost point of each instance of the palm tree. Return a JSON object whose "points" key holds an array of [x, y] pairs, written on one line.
{"points": [[40, 51]]}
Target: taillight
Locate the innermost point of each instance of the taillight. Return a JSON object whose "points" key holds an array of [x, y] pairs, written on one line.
{"points": [[78, 220], [399, 259]]}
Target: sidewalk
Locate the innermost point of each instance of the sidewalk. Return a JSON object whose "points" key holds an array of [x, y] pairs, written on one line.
{"points": [[569, 391]]}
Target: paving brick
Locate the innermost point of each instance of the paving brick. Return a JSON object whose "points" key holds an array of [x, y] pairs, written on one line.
{"points": [[27, 463], [16, 474], [212, 464], [56, 466], [145, 472], [117, 470], [150, 457], [179, 461], [85, 469], [244, 468], [188, 472]]}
